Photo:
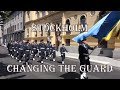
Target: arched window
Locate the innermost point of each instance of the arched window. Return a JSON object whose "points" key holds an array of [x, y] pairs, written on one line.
{"points": [[48, 29], [83, 19], [68, 24], [83, 23], [35, 33]]}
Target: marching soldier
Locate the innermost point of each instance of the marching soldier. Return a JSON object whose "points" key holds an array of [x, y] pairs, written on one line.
{"points": [[51, 50], [47, 49], [41, 50], [84, 58], [9, 47], [54, 52], [27, 51], [62, 51], [16, 50], [34, 50], [12, 49], [21, 50]]}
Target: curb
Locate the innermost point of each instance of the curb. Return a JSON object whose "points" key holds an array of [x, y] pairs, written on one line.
{"points": [[94, 59]]}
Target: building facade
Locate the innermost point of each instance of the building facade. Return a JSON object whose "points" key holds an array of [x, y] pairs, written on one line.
{"points": [[14, 27], [1, 35], [83, 20], [1, 31]]}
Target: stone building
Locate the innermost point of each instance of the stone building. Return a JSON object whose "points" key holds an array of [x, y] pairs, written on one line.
{"points": [[83, 19], [14, 27]]}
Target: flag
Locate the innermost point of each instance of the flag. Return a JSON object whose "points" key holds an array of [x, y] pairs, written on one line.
{"points": [[92, 31], [114, 32], [102, 28]]}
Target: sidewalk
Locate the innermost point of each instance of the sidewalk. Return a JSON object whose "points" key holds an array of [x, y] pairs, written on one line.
{"points": [[95, 59]]}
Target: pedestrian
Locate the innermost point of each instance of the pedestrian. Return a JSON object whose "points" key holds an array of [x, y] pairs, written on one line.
{"points": [[62, 51], [84, 58]]}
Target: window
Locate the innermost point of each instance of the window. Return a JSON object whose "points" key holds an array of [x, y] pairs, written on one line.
{"points": [[27, 32], [18, 26], [38, 14], [43, 13], [28, 14], [83, 23], [21, 25], [15, 27], [48, 33], [92, 13], [41, 31], [68, 23], [21, 13], [18, 15], [35, 33]]}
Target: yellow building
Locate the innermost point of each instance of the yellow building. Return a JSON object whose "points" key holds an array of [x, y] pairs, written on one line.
{"points": [[83, 20]]}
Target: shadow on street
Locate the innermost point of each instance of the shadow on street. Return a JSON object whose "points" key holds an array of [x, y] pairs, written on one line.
{"points": [[3, 55], [17, 77], [3, 70], [70, 75]]}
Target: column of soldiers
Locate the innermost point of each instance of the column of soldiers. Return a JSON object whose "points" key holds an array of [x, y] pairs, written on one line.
{"points": [[25, 51]]}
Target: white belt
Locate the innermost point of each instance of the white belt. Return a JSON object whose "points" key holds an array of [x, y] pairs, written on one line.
{"points": [[20, 48], [42, 48]]}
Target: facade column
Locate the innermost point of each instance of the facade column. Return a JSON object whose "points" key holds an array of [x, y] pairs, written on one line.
{"points": [[63, 23], [53, 39]]}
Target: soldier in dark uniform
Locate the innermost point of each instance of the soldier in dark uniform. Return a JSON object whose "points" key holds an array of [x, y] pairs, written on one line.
{"points": [[12, 49], [42, 50], [54, 52], [51, 50], [27, 51], [34, 50], [21, 50], [9, 47], [84, 58], [16, 48], [47, 49], [62, 51]]}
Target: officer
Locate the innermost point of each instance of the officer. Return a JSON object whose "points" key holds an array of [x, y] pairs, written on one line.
{"points": [[42, 50], [16, 47], [54, 52], [84, 58], [27, 51], [21, 50], [34, 50], [62, 51]]}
